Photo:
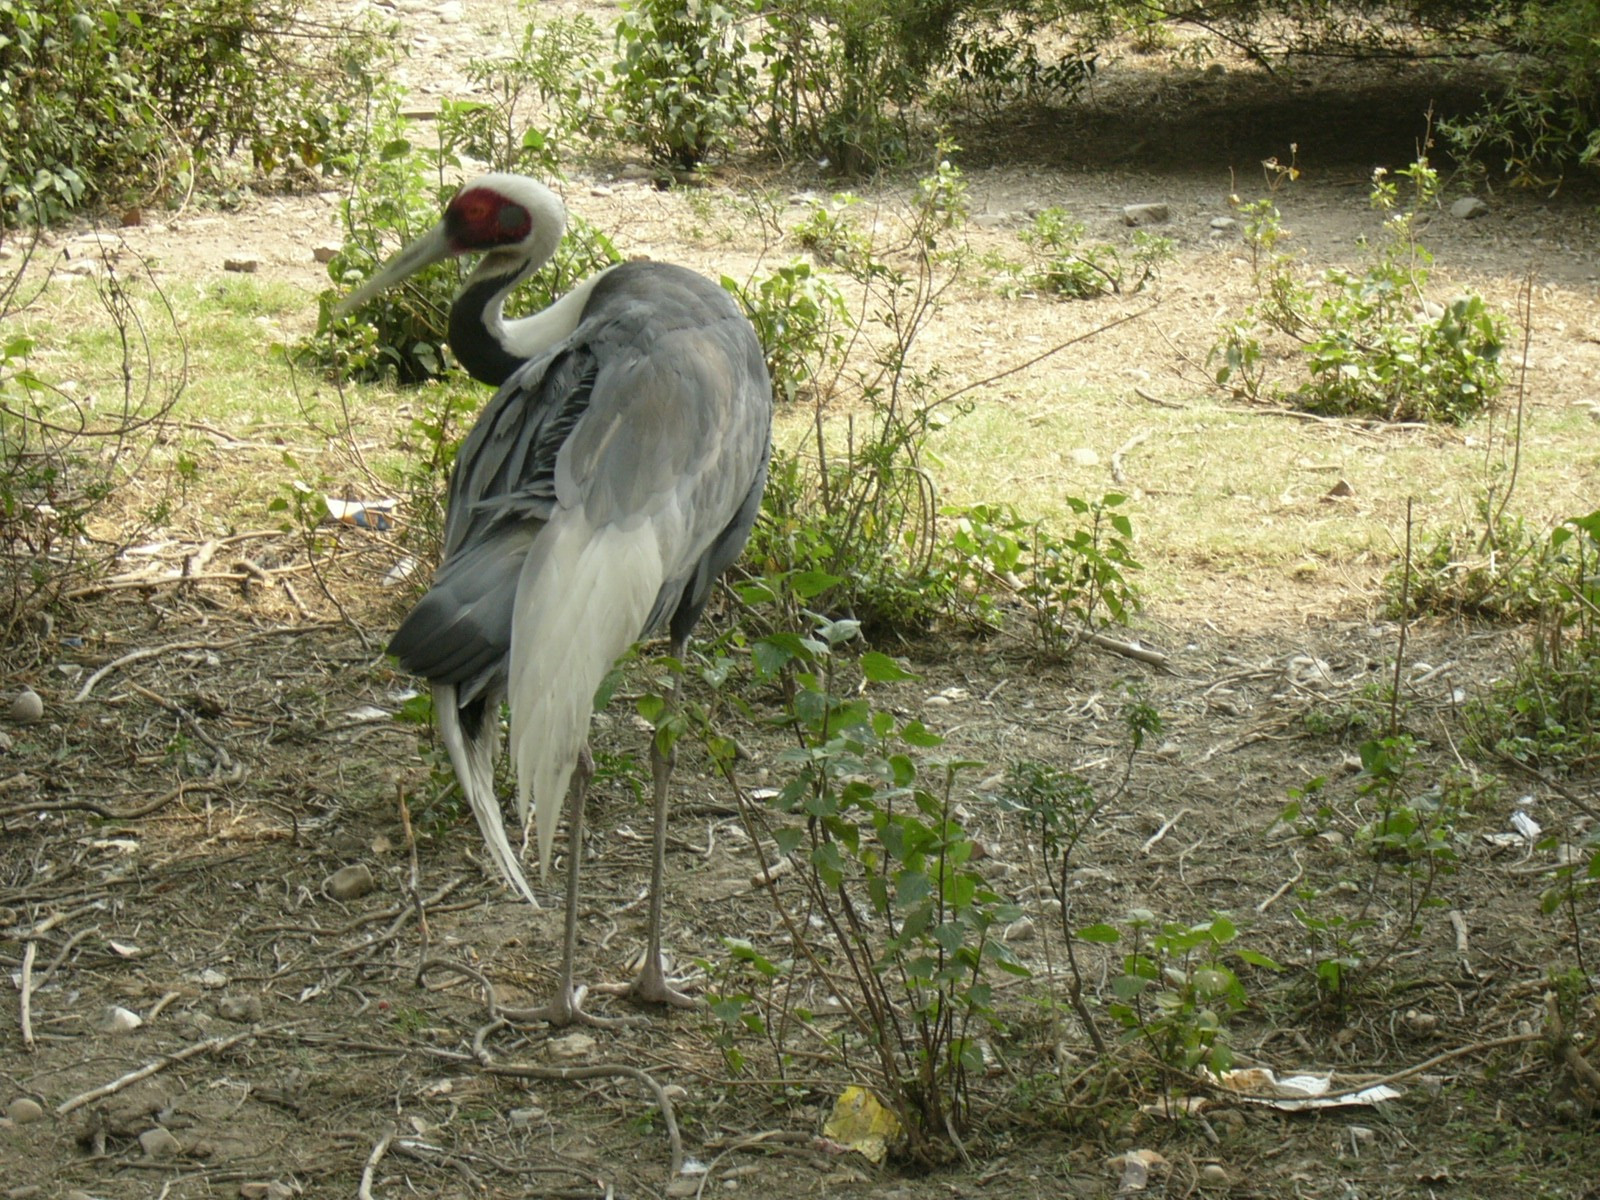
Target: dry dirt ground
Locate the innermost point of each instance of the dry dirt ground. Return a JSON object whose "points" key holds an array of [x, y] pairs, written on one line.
{"points": [[212, 753]]}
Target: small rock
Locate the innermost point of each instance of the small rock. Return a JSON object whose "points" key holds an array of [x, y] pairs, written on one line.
{"points": [[269, 1189], [573, 1046], [213, 978], [26, 707], [1212, 1175], [29, 1191], [132, 217], [241, 266], [523, 1117], [349, 883], [1146, 214], [1469, 207], [1420, 1022], [1223, 223], [159, 1143], [243, 1009], [120, 1020], [5, 738], [1020, 930], [324, 254], [1084, 457], [24, 1111], [989, 220], [1216, 71]]}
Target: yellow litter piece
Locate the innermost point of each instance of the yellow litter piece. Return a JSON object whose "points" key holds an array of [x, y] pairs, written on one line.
{"points": [[859, 1122]]}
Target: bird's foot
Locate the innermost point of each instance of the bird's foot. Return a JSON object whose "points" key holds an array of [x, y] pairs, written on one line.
{"points": [[650, 986], [566, 1008]]}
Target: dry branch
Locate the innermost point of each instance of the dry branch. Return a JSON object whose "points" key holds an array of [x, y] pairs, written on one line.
{"points": [[209, 1046]]}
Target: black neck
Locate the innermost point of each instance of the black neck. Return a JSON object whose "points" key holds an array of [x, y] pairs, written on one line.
{"points": [[477, 347]]}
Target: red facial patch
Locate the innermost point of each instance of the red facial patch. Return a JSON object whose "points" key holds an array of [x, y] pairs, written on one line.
{"points": [[483, 219]]}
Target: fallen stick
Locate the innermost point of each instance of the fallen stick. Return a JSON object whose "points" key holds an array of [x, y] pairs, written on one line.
{"points": [[26, 1017], [364, 1192], [209, 1046], [1163, 831], [607, 1071]]}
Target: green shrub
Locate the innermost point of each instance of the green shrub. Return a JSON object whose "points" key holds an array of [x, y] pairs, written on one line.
{"points": [[1373, 344], [104, 103], [685, 78], [903, 928], [1064, 264], [1548, 713]]}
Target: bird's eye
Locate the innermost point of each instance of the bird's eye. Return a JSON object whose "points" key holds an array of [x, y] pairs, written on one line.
{"points": [[513, 219]]}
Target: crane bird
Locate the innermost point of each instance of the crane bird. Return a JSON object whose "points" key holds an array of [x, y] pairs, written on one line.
{"points": [[614, 476]]}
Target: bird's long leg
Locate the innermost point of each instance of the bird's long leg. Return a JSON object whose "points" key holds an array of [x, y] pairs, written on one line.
{"points": [[650, 986], [566, 1006]]}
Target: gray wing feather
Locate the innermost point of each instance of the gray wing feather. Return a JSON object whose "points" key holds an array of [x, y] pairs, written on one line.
{"points": [[657, 407]]}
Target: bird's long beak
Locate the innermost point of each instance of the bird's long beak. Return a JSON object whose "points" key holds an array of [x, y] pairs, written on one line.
{"points": [[430, 248]]}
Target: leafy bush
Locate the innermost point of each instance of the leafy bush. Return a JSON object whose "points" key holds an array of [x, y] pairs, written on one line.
{"points": [[1069, 586], [684, 81], [1063, 264], [1546, 121], [852, 506], [1548, 714], [1374, 345], [64, 448], [803, 323], [544, 75], [908, 926], [101, 103], [1412, 839]]}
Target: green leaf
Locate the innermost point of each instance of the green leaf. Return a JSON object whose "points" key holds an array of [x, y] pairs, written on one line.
{"points": [[915, 733], [880, 668], [1102, 934]]}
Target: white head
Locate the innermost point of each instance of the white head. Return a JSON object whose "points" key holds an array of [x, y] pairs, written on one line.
{"points": [[514, 221]]}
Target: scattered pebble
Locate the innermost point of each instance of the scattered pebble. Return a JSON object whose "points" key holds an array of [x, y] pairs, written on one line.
{"points": [[120, 1020], [573, 1046], [24, 1111], [159, 1143], [523, 1117], [1146, 214], [1211, 1175], [243, 1009], [324, 254], [241, 266], [349, 883], [27, 707], [1020, 930], [265, 1189], [1469, 208]]}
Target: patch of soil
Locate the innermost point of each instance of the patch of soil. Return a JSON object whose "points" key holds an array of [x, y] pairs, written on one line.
{"points": [[214, 750]]}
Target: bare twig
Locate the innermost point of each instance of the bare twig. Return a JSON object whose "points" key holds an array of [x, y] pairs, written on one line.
{"points": [[1163, 831], [606, 1071], [364, 1192], [209, 1046], [1127, 649], [1120, 451], [26, 1018], [1299, 873]]}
